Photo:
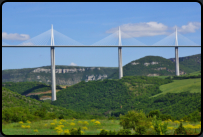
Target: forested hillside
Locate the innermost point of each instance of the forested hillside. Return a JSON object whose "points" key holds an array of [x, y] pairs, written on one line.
{"points": [[16, 107], [131, 92], [151, 66], [193, 62], [159, 66]]}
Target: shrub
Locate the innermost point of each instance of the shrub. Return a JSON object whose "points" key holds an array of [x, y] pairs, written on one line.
{"points": [[112, 132], [124, 132], [41, 112], [75, 131], [153, 113], [52, 115], [134, 119], [165, 117], [61, 116], [121, 132], [103, 132], [180, 130], [16, 114], [159, 127], [194, 116], [112, 118], [140, 130]]}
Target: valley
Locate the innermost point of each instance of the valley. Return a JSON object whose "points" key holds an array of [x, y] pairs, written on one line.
{"points": [[148, 84]]}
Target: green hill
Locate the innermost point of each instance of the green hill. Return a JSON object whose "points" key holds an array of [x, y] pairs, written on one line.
{"points": [[192, 62], [16, 107], [130, 92], [191, 85], [159, 66], [149, 66]]}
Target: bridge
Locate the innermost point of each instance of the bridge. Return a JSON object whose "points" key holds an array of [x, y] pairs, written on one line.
{"points": [[53, 38]]}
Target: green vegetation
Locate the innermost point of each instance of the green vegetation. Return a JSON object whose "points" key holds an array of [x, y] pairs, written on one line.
{"points": [[99, 97], [25, 88], [16, 107], [187, 64], [115, 97], [133, 123], [193, 62], [177, 86], [143, 70], [134, 105]]}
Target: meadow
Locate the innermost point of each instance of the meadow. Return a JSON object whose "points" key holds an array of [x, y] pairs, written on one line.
{"points": [[177, 86], [88, 127]]}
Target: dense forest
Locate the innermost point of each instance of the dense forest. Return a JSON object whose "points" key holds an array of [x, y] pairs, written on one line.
{"points": [[114, 97], [193, 62], [16, 107]]}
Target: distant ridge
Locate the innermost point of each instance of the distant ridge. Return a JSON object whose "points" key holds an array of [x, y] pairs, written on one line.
{"points": [[157, 66], [70, 75], [65, 75]]}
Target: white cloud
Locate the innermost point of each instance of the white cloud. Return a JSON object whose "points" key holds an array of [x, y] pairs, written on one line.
{"points": [[191, 27], [73, 64], [27, 44], [144, 29], [15, 36]]}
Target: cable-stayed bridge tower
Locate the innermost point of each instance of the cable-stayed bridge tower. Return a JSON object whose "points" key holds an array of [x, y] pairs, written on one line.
{"points": [[120, 54], [53, 75], [176, 54]]}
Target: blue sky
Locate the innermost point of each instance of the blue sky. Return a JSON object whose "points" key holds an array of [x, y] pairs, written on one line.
{"points": [[89, 22]]}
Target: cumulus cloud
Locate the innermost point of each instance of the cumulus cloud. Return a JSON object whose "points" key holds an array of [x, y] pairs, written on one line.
{"points": [[27, 44], [142, 29], [15, 36], [152, 29], [73, 64], [191, 27]]}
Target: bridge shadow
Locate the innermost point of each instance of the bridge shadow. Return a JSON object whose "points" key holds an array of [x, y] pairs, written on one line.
{"points": [[34, 88]]}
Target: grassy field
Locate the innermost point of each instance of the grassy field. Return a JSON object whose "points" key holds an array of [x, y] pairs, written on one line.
{"points": [[163, 77], [44, 127], [192, 85], [194, 73]]}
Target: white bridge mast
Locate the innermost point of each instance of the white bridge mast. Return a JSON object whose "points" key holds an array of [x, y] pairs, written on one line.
{"points": [[176, 54], [53, 81], [120, 55]]}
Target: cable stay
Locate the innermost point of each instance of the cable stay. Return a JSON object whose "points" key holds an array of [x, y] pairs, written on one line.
{"points": [[111, 40], [63, 40], [43, 39], [128, 40], [170, 41]]}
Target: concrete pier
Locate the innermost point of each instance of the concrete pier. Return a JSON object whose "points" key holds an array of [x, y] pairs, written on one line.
{"points": [[176, 54], [120, 54], [177, 61], [53, 76], [120, 62]]}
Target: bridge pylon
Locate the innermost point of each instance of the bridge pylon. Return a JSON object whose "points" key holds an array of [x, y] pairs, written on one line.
{"points": [[176, 54], [120, 54], [53, 76]]}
